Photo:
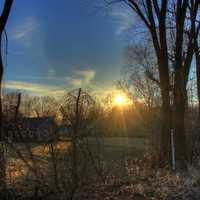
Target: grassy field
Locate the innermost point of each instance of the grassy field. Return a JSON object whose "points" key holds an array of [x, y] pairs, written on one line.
{"points": [[113, 150], [117, 148], [114, 146]]}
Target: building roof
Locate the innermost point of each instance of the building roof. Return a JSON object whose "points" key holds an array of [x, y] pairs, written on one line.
{"points": [[36, 122]]}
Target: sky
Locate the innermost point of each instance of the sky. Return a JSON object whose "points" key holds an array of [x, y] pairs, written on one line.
{"points": [[55, 47]]}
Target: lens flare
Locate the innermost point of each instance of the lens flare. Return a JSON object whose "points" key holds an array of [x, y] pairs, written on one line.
{"points": [[120, 100]]}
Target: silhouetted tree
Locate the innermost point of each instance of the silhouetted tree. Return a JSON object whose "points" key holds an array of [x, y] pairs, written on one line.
{"points": [[78, 113], [161, 18], [3, 21]]}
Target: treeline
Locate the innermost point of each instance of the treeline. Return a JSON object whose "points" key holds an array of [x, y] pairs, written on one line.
{"points": [[129, 120]]}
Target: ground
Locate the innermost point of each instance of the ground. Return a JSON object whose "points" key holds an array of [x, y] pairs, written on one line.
{"points": [[113, 149], [128, 175]]}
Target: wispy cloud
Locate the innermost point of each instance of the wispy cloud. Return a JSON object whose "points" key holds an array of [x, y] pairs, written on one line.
{"points": [[76, 79], [51, 73], [23, 30], [81, 78], [87, 75], [74, 82], [123, 17], [58, 92], [34, 88]]}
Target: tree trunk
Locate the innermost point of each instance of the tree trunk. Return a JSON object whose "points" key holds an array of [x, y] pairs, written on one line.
{"points": [[165, 132], [166, 111], [3, 21], [180, 82], [198, 86], [178, 119], [2, 157], [198, 79]]}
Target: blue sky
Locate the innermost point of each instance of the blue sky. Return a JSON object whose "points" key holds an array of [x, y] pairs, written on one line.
{"points": [[55, 47]]}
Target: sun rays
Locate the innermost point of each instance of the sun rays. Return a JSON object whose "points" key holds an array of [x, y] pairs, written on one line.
{"points": [[121, 100]]}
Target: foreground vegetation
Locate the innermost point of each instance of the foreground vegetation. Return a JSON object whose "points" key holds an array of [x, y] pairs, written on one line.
{"points": [[119, 172]]}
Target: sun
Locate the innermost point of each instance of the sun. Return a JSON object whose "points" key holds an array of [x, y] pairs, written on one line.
{"points": [[120, 100]]}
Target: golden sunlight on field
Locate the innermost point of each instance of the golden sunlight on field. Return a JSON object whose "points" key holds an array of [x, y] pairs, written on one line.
{"points": [[45, 150], [15, 170]]}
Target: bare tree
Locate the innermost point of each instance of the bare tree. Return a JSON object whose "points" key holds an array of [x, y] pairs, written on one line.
{"points": [[156, 16], [26, 108], [3, 21], [44, 106], [79, 114], [140, 67]]}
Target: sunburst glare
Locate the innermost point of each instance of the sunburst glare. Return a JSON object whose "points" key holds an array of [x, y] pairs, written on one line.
{"points": [[120, 100]]}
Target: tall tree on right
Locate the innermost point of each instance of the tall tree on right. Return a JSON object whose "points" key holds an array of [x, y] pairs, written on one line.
{"points": [[163, 18]]}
